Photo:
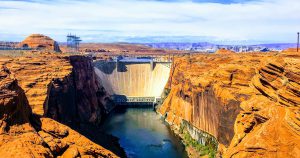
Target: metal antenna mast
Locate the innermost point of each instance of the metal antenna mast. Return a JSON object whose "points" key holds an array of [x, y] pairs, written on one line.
{"points": [[298, 42]]}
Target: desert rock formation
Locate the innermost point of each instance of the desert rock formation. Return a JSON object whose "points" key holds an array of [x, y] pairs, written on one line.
{"points": [[249, 102], [40, 42], [24, 134], [78, 97], [64, 88], [224, 51], [34, 74]]}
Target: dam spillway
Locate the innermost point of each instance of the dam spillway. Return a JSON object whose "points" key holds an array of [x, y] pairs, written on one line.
{"points": [[131, 81]]}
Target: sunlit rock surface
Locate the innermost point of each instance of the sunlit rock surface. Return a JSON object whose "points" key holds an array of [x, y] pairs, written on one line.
{"points": [[61, 87], [40, 42], [224, 51], [25, 135], [249, 102], [35, 73]]}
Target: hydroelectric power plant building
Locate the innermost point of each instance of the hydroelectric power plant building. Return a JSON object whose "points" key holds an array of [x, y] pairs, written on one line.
{"points": [[134, 81]]}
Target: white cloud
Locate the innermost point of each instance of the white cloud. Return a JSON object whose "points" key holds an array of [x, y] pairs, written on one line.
{"points": [[272, 21]]}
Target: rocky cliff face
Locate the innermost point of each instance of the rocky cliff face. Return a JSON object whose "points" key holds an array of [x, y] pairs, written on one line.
{"points": [[249, 102], [78, 97], [35, 73], [25, 135], [14, 107], [61, 87]]}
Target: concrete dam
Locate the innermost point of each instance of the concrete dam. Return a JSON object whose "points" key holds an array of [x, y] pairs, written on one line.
{"points": [[133, 81]]}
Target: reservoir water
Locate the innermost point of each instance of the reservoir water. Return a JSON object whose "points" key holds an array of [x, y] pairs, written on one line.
{"points": [[143, 134]]}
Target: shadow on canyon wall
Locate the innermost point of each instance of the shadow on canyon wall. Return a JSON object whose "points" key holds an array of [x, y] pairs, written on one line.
{"points": [[81, 102]]}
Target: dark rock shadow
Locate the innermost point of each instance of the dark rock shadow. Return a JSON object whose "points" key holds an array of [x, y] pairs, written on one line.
{"points": [[106, 67], [122, 67], [107, 141]]}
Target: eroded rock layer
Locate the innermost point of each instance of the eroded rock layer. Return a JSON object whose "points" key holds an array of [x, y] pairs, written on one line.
{"points": [[64, 88], [249, 102], [35, 73], [25, 135]]}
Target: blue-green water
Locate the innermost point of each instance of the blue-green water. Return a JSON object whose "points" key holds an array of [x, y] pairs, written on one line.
{"points": [[143, 134]]}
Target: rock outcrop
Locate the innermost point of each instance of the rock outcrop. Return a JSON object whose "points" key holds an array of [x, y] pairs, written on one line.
{"points": [[25, 135], [224, 51], [35, 73], [40, 42], [249, 102], [269, 124], [64, 88], [14, 107]]}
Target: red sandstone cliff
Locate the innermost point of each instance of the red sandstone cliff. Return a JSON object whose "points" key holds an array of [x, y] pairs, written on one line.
{"points": [[64, 88], [78, 97], [249, 102], [25, 135]]}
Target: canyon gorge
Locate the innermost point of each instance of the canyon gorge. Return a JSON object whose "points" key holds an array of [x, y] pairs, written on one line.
{"points": [[149, 79], [248, 104]]}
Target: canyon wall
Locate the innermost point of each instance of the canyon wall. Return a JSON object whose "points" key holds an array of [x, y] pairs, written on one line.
{"points": [[23, 134], [132, 79], [64, 88], [78, 97], [249, 102]]}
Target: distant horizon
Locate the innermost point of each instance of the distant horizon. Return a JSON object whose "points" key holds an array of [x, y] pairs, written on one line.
{"points": [[164, 39]]}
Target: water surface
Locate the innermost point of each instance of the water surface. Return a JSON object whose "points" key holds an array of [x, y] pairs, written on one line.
{"points": [[143, 134]]}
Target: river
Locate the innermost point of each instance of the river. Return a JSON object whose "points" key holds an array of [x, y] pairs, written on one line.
{"points": [[143, 134]]}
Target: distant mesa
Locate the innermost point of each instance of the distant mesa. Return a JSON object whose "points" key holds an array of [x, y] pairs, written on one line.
{"points": [[40, 42], [224, 51]]}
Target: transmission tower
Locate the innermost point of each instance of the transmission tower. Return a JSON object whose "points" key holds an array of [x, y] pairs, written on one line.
{"points": [[73, 42]]}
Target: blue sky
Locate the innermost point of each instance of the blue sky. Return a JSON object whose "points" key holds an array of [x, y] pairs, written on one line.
{"points": [[217, 21]]}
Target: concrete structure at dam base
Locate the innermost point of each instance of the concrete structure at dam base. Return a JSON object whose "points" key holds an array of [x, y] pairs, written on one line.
{"points": [[136, 101], [134, 81]]}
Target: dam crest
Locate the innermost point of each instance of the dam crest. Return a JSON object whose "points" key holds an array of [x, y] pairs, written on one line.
{"points": [[134, 81]]}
